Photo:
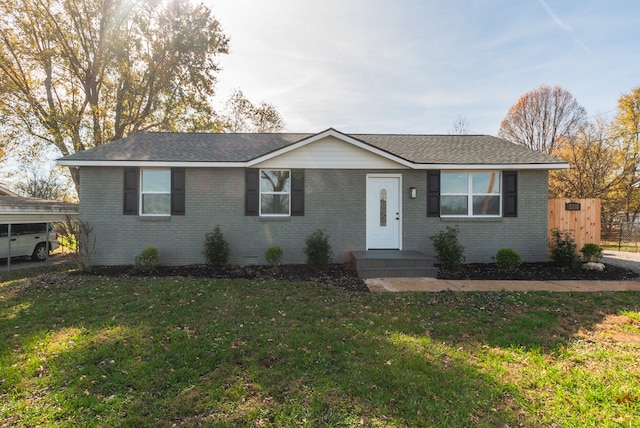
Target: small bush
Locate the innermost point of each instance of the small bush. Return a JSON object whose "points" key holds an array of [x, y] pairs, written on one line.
{"points": [[318, 250], [591, 252], [273, 255], [148, 259], [449, 252], [216, 249], [508, 258], [562, 249]]}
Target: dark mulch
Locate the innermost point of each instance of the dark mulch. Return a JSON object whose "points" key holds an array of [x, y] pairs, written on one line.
{"points": [[539, 272], [345, 277], [342, 276]]}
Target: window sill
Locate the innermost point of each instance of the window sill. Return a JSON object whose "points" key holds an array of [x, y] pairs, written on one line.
{"points": [[268, 219], [471, 219], [154, 217]]}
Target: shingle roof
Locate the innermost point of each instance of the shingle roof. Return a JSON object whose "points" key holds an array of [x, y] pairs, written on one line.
{"points": [[13, 204], [14, 209], [456, 149], [188, 147], [224, 148]]}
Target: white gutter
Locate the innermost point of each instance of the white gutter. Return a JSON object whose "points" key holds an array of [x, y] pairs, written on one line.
{"points": [[249, 164]]}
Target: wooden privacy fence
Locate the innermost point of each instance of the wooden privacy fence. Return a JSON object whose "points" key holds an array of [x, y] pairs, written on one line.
{"points": [[581, 217]]}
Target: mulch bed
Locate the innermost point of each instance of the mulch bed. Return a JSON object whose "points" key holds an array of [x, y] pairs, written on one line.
{"points": [[339, 275], [343, 276], [539, 272]]}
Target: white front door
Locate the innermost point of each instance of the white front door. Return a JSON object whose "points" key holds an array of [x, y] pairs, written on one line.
{"points": [[383, 212]]}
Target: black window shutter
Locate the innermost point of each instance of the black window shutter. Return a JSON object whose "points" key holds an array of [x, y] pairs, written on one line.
{"points": [[510, 194], [252, 192], [297, 192], [131, 183], [433, 193], [177, 191]]}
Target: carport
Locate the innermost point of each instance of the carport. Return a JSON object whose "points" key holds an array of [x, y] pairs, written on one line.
{"points": [[16, 210]]}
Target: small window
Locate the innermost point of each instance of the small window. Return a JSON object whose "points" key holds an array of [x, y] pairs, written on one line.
{"points": [[475, 194], [275, 192], [383, 208], [155, 192]]}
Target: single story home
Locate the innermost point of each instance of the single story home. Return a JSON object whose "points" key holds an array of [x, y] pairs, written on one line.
{"points": [[369, 192]]}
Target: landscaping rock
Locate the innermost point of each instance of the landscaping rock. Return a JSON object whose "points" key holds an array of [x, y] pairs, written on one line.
{"points": [[593, 266]]}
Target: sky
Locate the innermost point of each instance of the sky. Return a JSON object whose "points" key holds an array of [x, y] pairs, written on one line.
{"points": [[417, 66]]}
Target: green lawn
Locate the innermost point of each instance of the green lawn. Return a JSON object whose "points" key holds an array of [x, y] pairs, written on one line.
{"points": [[99, 351]]}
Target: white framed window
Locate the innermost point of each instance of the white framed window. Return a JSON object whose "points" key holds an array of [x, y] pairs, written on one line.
{"points": [[155, 192], [275, 192], [470, 194]]}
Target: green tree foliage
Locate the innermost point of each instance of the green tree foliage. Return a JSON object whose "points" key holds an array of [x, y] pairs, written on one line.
{"points": [[542, 118], [77, 74]]}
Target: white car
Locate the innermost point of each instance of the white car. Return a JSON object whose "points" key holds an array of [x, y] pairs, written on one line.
{"points": [[27, 239]]}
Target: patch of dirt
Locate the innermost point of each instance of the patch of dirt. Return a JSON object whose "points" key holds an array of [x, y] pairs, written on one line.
{"points": [[538, 272], [619, 328]]}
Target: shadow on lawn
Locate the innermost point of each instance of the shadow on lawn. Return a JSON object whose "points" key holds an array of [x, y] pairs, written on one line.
{"points": [[159, 352]]}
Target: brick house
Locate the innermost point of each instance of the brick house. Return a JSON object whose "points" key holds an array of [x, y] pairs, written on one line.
{"points": [[369, 192]]}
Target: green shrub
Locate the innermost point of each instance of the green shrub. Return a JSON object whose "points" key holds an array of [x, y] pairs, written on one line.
{"points": [[216, 249], [148, 259], [318, 250], [273, 255], [508, 258], [449, 252], [562, 249], [591, 252]]}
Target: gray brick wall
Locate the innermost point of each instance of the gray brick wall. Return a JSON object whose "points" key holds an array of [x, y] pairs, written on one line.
{"points": [[334, 201]]}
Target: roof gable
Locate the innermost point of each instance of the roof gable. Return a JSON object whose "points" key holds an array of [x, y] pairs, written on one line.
{"points": [[328, 152]]}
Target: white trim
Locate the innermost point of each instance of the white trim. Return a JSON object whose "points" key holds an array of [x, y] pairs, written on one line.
{"points": [[260, 193], [141, 194], [417, 166], [400, 204], [153, 164], [470, 194], [496, 166]]}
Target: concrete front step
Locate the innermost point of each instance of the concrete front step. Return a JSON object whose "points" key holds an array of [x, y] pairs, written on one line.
{"points": [[393, 264]]}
